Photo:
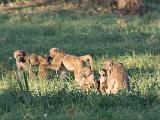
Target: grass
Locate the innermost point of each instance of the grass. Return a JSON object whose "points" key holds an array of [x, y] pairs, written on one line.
{"points": [[134, 41]]}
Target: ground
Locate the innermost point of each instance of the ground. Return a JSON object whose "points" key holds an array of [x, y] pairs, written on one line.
{"points": [[133, 40]]}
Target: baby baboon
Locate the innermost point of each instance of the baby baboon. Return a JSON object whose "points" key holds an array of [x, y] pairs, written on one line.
{"points": [[103, 81], [117, 77], [42, 62], [87, 78], [70, 62]]}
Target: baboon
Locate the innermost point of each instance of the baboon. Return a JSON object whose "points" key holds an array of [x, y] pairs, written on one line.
{"points": [[25, 61], [103, 81], [42, 62], [70, 62], [117, 77], [87, 78]]}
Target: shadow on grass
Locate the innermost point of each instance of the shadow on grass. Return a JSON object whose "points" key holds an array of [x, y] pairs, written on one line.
{"points": [[13, 100]]}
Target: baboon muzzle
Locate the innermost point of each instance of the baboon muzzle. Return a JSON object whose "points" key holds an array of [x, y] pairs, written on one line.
{"points": [[20, 59]]}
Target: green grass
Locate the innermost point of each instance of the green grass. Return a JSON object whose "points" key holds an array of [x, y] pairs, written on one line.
{"points": [[135, 42]]}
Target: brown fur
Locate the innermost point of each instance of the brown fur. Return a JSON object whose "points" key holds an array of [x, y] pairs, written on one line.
{"points": [[25, 61], [87, 78], [70, 62], [42, 62], [117, 77], [103, 81]]}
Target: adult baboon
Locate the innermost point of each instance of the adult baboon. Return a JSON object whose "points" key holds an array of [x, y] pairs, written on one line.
{"points": [[117, 77], [25, 61], [70, 62]]}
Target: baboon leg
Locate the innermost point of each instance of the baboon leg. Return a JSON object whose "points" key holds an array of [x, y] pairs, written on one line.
{"points": [[20, 74], [77, 75], [111, 83], [115, 88]]}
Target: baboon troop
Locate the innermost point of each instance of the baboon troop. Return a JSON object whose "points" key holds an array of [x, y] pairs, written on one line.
{"points": [[113, 75]]}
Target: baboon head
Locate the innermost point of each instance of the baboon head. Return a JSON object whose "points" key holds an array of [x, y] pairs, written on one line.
{"points": [[53, 51], [108, 65], [20, 55]]}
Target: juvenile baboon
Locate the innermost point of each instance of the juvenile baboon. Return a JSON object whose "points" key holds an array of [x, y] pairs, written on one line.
{"points": [[25, 61], [117, 77], [87, 78], [42, 62], [103, 81], [70, 62]]}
